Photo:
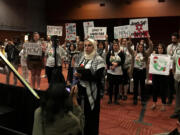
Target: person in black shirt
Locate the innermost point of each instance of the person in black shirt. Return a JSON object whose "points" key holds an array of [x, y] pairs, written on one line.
{"points": [[13, 57]]}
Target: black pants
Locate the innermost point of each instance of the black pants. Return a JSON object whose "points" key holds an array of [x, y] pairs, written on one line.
{"points": [[160, 86], [91, 126], [171, 88], [139, 76], [49, 72], [114, 82], [70, 74]]}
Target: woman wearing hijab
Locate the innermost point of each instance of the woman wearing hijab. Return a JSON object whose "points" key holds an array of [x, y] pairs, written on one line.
{"points": [[90, 85]]}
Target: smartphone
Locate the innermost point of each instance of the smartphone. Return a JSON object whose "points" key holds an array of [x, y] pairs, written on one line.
{"points": [[68, 89]]}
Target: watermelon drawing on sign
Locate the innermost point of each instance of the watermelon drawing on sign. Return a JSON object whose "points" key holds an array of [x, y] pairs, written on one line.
{"points": [[159, 65], [178, 63]]}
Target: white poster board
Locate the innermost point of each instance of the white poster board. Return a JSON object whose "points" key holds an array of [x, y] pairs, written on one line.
{"points": [[86, 25], [122, 31], [178, 65], [54, 30], [139, 28], [33, 49], [70, 31], [97, 33], [159, 64]]}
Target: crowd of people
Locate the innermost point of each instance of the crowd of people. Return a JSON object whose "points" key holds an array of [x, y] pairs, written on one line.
{"points": [[94, 68]]}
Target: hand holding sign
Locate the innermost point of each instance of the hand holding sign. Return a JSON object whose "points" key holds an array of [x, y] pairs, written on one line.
{"points": [[106, 36]]}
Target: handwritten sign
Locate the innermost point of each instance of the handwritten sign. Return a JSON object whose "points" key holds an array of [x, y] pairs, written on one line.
{"points": [[54, 30], [86, 25], [122, 31], [97, 33], [33, 49], [139, 28], [70, 31]]}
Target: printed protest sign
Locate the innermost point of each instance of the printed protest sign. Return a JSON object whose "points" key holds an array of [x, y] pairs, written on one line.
{"points": [[86, 25], [70, 31], [54, 30], [159, 64], [97, 33], [139, 28], [122, 31], [33, 49]]}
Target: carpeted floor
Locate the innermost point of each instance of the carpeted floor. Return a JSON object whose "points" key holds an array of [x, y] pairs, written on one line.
{"points": [[126, 119]]}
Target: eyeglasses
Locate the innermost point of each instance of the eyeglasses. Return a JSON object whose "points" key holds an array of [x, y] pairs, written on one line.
{"points": [[88, 45]]}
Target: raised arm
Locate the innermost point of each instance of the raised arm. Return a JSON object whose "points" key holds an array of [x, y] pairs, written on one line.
{"points": [[106, 44], [131, 51], [150, 49]]}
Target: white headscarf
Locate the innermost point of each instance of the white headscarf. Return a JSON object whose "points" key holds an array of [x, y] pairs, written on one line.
{"points": [[92, 54]]}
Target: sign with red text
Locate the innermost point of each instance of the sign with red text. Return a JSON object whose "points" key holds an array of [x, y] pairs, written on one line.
{"points": [[139, 28], [70, 31], [97, 33], [86, 25]]}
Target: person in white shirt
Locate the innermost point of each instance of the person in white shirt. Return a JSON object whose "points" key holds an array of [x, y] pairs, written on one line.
{"points": [[139, 62], [170, 51], [114, 60], [176, 63], [25, 72]]}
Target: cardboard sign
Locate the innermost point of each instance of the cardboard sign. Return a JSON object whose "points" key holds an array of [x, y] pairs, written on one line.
{"points": [[97, 33], [33, 49], [86, 25], [160, 64], [139, 28], [122, 31], [54, 30], [70, 31]]}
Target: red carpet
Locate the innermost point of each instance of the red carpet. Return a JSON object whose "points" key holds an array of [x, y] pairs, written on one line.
{"points": [[122, 119]]}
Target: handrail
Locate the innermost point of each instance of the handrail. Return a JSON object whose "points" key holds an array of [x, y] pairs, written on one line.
{"points": [[18, 75]]}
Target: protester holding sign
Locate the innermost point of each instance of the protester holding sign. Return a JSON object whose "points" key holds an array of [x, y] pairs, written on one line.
{"points": [[176, 69], [114, 60], [126, 68], [160, 82], [170, 51], [139, 62], [35, 61]]}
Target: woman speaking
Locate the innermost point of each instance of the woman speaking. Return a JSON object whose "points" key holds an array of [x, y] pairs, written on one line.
{"points": [[90, 74]]}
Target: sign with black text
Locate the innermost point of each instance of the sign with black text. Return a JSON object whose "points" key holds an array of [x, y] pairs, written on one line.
{"points": [[54, 30], [97, 33], [139, 28], [122, 31], [33, 49]]}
